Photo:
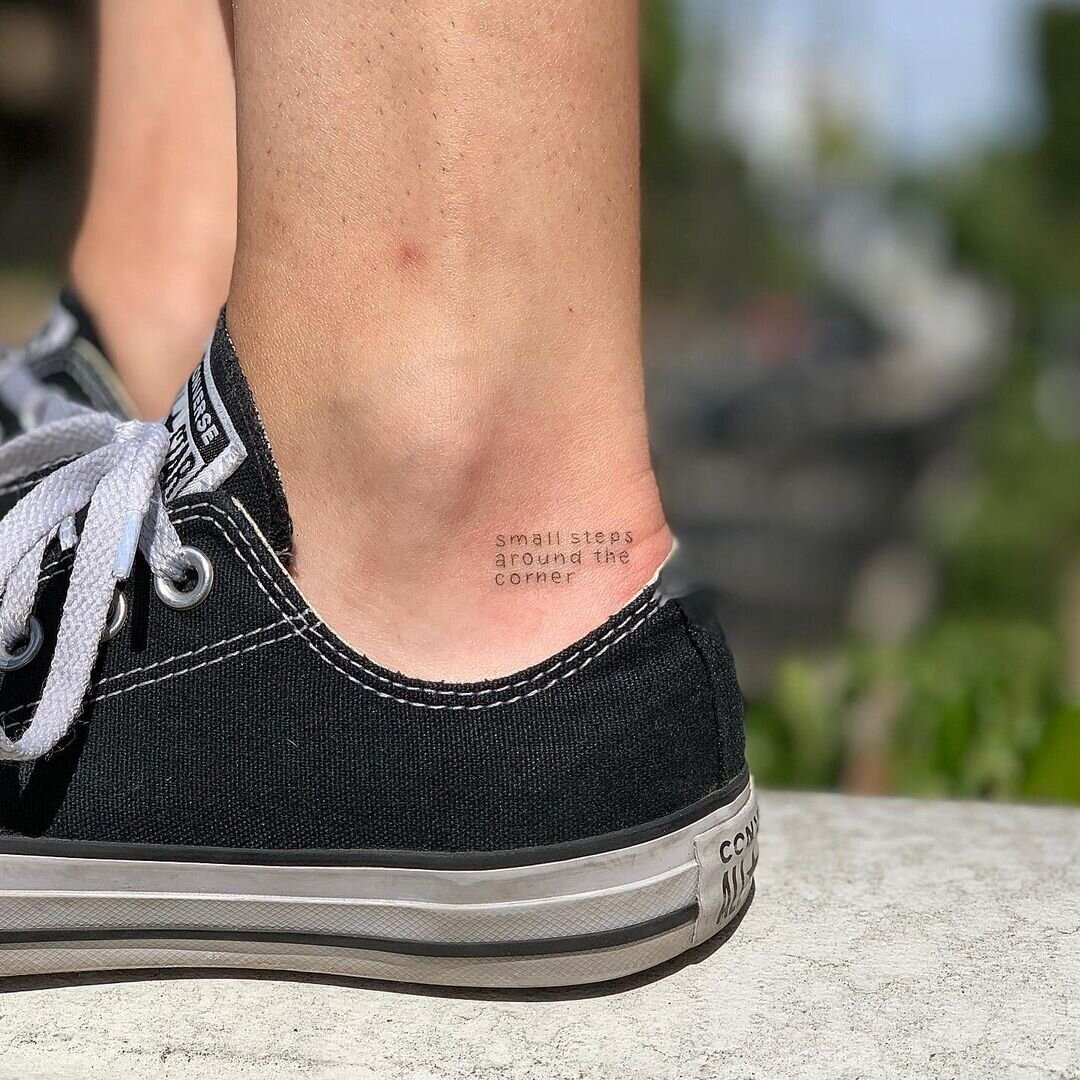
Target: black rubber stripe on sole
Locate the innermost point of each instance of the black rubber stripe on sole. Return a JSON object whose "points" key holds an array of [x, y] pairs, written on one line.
{"points": [[411, 860], [604, 939]]}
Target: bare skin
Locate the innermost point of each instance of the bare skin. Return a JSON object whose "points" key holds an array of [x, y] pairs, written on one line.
{"points": [[436, 297], [154, 252]]}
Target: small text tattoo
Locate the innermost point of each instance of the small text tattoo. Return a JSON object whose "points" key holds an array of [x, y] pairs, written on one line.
{"points": [[557, 556]]}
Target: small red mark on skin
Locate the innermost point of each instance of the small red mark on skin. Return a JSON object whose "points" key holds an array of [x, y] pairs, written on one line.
{"points": [[411, 254]]}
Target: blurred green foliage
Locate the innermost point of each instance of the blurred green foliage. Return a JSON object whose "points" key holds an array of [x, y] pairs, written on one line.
{"points": [[1059, 65], [705, 235], [1016, 212], [965, 710], [975, 704], [1053, 773]]}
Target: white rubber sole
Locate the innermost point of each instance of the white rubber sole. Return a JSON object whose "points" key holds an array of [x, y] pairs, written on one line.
{"points": [[587, 919]]}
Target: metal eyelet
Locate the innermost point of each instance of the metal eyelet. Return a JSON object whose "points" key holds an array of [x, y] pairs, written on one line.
{"points": [[191, 592], [118, 611], [29, 646]]}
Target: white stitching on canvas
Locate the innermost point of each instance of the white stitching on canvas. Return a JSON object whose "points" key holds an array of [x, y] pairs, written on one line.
{"points": [[219, 513], [195, 667], [162, 663], [299, 626], [55, 569], [336, 648], [171, 674], [194, 652], [352, 678], [318, 632], [486, 704]]}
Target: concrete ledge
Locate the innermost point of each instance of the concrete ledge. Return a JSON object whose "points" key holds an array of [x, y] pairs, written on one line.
{"points": [[887, 938]]}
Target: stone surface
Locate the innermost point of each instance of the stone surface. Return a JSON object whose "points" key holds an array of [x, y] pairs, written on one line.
{"points": [[888, 938]]}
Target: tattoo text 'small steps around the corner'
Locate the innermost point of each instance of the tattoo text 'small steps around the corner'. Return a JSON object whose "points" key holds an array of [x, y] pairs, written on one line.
{"points": [[557, 556]]}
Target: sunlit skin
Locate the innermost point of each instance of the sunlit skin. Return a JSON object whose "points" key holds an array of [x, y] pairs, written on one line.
{"points": [[154, 251], [437, 299]]}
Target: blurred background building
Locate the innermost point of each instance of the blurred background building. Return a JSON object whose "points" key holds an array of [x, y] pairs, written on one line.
{"points": [[862, 260]]}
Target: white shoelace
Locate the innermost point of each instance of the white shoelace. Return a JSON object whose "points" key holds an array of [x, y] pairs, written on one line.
{"points": [[116, 481]]}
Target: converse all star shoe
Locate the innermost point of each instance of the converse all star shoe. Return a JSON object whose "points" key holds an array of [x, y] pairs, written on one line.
{"points": [[60, 370], [197, 772]]}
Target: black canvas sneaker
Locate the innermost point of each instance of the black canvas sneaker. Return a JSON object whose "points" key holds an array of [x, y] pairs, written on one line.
{"points": [[62, 368], [199, 772]]}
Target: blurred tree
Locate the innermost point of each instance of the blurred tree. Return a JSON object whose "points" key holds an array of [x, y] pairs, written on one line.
{"points": [[982, 702], [663, 151], [1017, 210], [705, 236], [1059, 65]]}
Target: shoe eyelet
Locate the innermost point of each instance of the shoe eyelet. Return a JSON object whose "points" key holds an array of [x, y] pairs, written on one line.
{"points": [[189, 593], [13, 659], [118, 611]]}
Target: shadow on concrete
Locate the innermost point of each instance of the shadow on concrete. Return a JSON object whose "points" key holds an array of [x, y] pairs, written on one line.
{"points": [[572, 993]]}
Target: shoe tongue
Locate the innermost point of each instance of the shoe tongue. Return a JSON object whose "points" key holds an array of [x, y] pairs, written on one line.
{"points": [[67, 354], [71, 312], [67, 321], [218, 443]]}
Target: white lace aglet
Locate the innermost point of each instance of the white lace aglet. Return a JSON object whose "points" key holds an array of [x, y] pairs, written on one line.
{"points": [[128, 545]]}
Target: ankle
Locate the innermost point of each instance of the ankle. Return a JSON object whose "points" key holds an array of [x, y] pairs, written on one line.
{"points": [[467, 530], [484, 598]]}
